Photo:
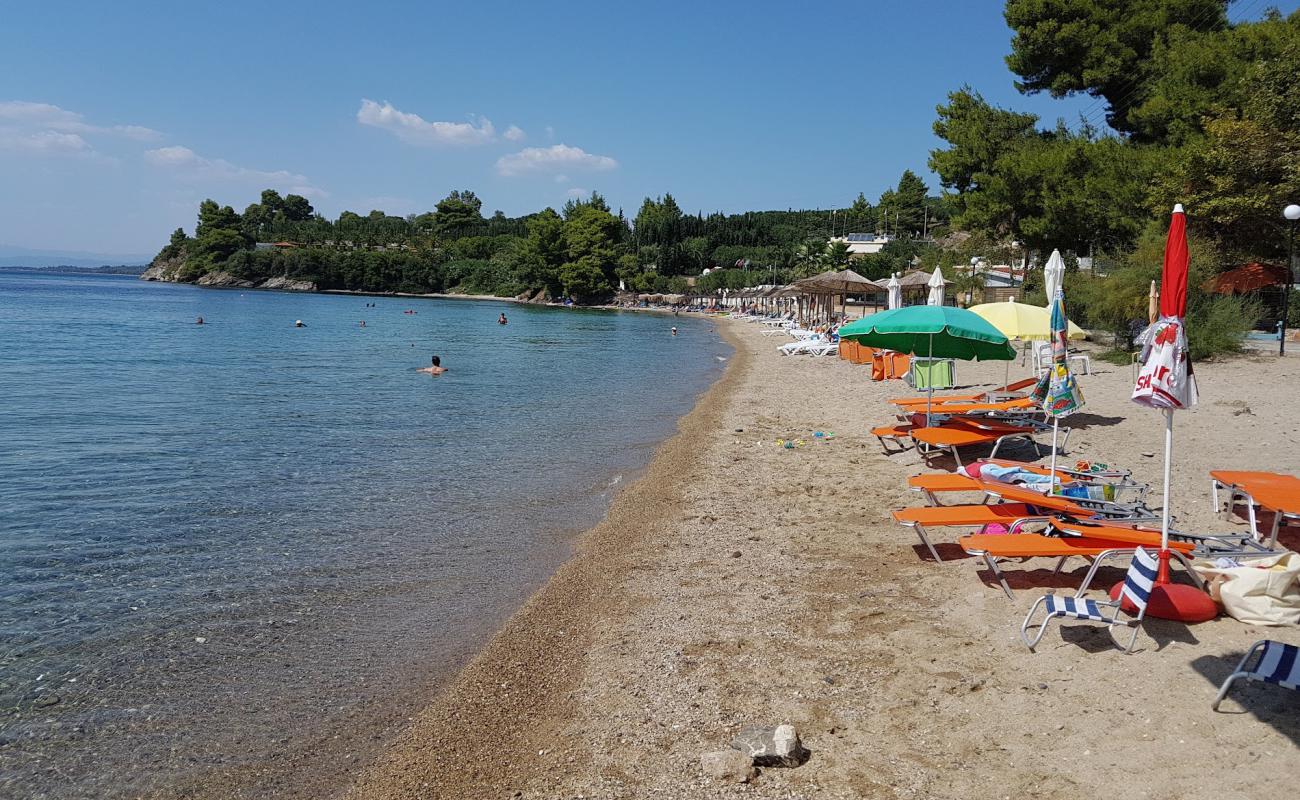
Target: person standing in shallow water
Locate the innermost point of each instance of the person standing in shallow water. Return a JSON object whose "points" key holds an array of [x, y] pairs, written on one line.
{"points": [[434, 369], [502, 319]]}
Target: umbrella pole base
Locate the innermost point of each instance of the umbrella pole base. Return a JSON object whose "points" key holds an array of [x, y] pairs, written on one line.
{"points": [[1173, 601]]}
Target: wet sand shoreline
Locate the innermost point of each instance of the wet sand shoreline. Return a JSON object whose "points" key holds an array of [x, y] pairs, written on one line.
{"points": [[496, 723]]}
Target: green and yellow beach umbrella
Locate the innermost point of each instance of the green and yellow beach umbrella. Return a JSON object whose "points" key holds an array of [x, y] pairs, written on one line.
{"points": [[1023, 321], [932, 332]]}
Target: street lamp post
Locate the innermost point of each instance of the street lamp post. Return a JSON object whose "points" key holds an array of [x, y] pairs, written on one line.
{"points": [[1292, 214]]}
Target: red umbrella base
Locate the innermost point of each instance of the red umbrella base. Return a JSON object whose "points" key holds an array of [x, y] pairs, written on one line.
{"points": [[1175, 601]]}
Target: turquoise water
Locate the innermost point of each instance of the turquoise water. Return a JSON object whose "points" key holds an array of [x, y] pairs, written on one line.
{"points": [[227, 547]]}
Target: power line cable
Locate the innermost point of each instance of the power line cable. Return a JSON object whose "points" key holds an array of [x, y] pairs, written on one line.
{"points": [[1094, 120], [1135, 83]]}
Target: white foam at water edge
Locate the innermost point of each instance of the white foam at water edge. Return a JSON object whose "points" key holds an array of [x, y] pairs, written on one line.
{"points": [[720, 358], [614, 481]]}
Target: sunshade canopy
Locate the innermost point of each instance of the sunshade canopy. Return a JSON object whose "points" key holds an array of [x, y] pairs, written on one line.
{"points": [[1247, 278], [845, 281], [1022, 321], [937, 331], [914, 279]]}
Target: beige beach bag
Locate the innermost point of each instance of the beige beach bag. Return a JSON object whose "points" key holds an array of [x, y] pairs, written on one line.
{"points": [[1266, 592]]}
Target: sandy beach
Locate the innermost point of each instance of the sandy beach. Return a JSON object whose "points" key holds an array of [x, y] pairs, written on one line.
{"points": [[739, 582]]}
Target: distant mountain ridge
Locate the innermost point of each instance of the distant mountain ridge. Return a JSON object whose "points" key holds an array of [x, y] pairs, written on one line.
{"points": [[107, 269], [12, 256]]}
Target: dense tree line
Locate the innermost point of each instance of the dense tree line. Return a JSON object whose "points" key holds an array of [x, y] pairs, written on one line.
{"points": [[584, 251], [1202, 111]]}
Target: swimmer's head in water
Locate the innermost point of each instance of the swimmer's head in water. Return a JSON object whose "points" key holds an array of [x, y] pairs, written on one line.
{"points": [[437, 362]]}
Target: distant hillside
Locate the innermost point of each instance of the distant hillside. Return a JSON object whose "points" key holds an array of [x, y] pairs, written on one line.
{"points": [[107, 269], [11, 256]]}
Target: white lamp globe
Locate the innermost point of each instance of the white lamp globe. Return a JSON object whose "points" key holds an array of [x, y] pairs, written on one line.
{"points": [[1291, 212]]}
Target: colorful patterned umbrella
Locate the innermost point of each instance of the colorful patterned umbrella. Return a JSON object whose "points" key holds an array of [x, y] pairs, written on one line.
{"points": [[1058, 390]]}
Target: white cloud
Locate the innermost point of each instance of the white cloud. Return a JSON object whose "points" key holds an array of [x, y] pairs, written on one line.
{"points": [[550, 159], [578, 193], [184, 161], [42, 129], [414, 129], [44, 143], [515, 134], [44, 116]]}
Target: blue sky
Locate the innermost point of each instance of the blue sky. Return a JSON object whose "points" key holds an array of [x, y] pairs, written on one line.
{"points": [[117, 118]]}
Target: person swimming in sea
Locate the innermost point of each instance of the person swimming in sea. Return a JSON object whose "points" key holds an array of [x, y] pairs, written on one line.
{"points": [[198, 321], [501, 320], [363, 323], [674, 330], [298, 324], [435, 369]]}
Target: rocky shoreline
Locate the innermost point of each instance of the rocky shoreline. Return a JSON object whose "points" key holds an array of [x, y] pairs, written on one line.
{"points": [[168, 273]]}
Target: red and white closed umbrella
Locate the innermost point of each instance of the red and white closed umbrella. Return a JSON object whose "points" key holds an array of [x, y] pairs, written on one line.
{"points": [[1166, 382], [1166, 379]]}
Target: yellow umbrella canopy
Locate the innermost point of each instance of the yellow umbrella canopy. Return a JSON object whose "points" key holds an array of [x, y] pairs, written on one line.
{"points": [[1022, 321]]}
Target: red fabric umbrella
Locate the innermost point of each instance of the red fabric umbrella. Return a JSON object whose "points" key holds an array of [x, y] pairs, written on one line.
{"points": [[1247, 278], [1173, 280]]}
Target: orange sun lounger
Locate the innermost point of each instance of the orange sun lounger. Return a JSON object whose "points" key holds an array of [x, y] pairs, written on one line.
{"points": [[1015, 404], [934, 483], [973, 516], [1036, 545], [1272, 491], [1019, 505], [960, 432], [955, 432], [1075, 506], [980, 397]]}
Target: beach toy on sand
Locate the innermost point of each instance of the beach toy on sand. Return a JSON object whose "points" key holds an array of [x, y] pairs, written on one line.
{"points": [[789, 445], [818, 434]]}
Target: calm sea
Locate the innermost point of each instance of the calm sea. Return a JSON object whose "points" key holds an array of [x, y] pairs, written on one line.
{"points": [[232, 548]]}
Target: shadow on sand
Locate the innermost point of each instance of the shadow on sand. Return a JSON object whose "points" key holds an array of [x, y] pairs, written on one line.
{"points": [[1271, 704]]}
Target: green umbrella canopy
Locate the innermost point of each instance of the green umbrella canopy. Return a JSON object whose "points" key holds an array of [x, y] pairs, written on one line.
{"points": [[935, 331]]}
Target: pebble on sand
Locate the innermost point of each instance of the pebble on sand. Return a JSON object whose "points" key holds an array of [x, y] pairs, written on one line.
{"points": [[731, 766]]}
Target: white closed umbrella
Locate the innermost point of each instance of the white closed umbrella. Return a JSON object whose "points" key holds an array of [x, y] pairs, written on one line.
{"points": [[895, 291], [936, 284], [1054, 276]]}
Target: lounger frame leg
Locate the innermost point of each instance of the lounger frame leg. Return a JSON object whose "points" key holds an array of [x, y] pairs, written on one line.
{"points": [[920, 531], [1096, 564], [1239, 672], [1042, 628], [997, 573], [1132, 640]]}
